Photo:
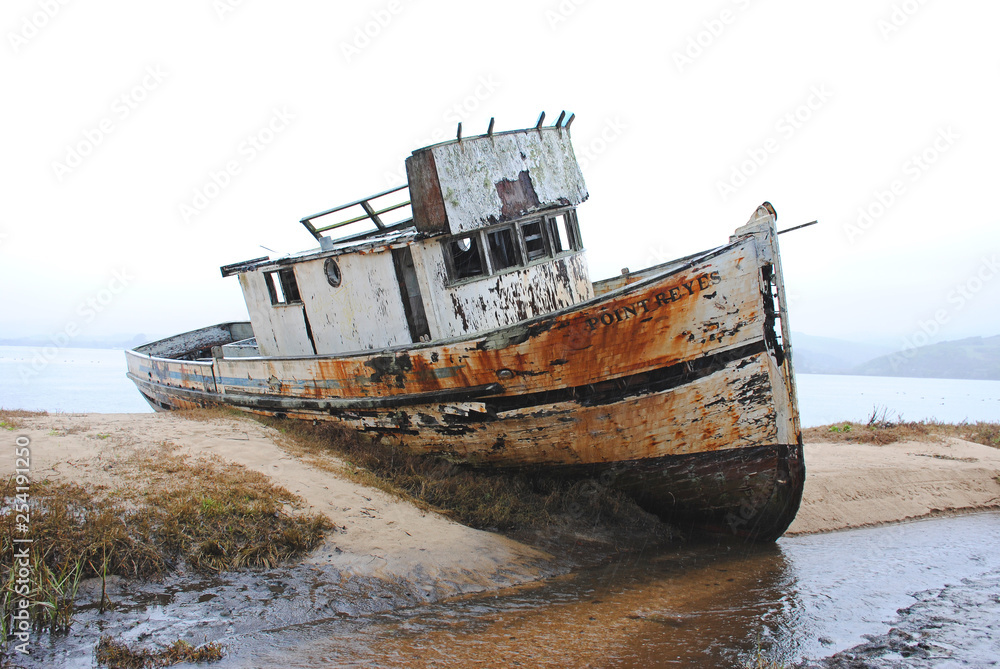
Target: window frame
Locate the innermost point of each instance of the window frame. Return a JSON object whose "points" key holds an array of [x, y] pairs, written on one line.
{"points": [[287, 283], [449, 259], [516, 245], [543, 233], [482, 237], [571, 227]]}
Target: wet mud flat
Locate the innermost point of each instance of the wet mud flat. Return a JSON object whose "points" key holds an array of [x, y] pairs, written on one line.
{"points": [[223, 608], [916, 594], [892, 596], [237, 608], [957, 625]]}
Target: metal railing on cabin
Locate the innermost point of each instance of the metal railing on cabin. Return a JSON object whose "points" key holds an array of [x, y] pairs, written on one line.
{"points": [[370, 213]]}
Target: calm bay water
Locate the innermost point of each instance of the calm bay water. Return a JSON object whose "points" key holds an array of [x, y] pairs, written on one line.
{"points": [[827, 398], [84, 380], [73, 380]]}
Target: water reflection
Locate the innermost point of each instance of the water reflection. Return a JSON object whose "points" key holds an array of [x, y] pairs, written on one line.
{"points": [[689, 606], [707, 606]]}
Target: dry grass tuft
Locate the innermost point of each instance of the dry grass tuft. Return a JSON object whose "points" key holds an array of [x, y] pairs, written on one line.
{"points": [[213, 517], [881, 430], [118, 655], [227, 517], [208, 414], [12, 419], [477, 498]]}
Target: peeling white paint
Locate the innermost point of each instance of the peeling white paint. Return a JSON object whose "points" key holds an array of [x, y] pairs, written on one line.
{"points": [[468, 172]]}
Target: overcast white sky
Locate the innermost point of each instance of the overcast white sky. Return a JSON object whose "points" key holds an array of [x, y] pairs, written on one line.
{"points": [[689, 115]]}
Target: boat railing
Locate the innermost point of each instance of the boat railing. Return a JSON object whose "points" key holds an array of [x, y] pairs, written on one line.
{"points": [[371, 207]]}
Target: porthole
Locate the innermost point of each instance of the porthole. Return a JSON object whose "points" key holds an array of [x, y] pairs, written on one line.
{"points": [[332, 272]]}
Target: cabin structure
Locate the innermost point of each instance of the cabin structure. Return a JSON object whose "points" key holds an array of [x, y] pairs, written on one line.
{"points": [[491, 239]]}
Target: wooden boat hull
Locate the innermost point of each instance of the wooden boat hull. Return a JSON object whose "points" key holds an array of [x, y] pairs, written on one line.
{"points": [[676, 384]]}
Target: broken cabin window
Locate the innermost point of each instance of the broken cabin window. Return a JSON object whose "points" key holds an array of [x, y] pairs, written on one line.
{"points": [[281, 286], [557, 235], [504, 251], [573, 230], [464, 258], [564, 232], [534, 240]]}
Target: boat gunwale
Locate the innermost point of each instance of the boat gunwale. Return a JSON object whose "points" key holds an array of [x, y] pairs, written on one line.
{"points": [[614, 294]]}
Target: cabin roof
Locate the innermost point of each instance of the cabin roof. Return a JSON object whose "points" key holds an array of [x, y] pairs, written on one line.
{"points": [[375, 241]]}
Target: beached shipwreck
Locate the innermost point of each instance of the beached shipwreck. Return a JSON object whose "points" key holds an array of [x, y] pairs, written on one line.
{"points": [[470, 328]]}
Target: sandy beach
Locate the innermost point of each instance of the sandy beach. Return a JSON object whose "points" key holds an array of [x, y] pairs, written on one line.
{"points": [[858, 485], [848, 485], [385, 554]]}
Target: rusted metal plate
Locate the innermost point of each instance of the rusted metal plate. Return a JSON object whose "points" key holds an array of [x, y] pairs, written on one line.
{"points": [[730, 408]]}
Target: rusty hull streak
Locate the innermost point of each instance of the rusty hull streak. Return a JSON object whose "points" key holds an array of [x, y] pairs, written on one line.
{"points": [[596, 341]]}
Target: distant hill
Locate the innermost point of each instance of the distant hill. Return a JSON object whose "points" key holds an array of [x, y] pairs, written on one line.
{"points": [[825, 355], [972, 358]]}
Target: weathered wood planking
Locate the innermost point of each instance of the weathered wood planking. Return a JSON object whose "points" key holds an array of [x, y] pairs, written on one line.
{"points": [[499, 300]]}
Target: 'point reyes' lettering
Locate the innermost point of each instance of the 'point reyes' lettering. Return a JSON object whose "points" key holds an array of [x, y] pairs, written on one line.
{"points": [[648, 304]]}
